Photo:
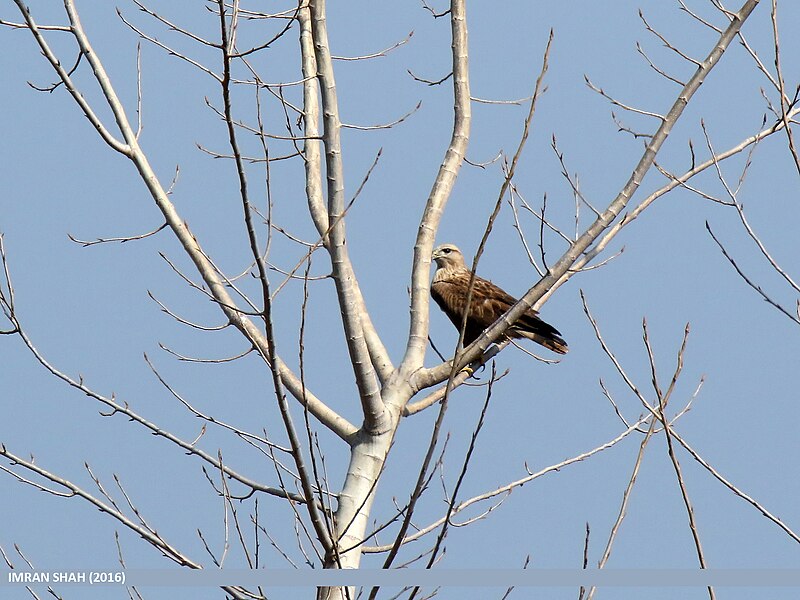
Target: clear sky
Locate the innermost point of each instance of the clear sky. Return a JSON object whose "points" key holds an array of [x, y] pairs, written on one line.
{"points": [[87, 309]]}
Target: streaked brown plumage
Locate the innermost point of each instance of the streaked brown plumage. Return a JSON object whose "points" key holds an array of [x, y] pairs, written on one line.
{"points": [[487, 304]]}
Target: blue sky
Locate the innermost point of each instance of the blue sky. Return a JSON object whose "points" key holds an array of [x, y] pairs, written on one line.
{"points": [[88, 311]]}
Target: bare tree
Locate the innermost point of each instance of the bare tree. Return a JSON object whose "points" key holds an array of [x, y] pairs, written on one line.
{"points": [[270, 126]]}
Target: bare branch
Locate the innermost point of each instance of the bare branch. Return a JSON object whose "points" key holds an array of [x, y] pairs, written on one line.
{"points": [[121, 240], [430, 82], [506, 489], [667, 43], [517, 102], [616, 102], [464, 467], [663, 398], [384, 125], [117, 407], [378, 54], [748, 281], [144, 531], [749, 499], [623, 509], [179, 227], [440, 193], [785, 106], [228, 33], [661, 72], [698, 18], [173, 27], [170, 51], [85, 48], [13, 25], [351, 302]]}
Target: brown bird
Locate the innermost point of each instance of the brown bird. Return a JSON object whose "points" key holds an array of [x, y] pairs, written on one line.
{"points": [[487, 304]]}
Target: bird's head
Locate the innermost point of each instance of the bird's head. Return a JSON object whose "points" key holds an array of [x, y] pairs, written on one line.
{"points": [[448, 256]]}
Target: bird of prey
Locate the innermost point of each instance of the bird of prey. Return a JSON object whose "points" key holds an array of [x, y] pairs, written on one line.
{"points": [[487, 304]]}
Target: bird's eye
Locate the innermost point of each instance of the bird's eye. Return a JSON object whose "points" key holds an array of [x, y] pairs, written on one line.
{"points": [[446, 250]]}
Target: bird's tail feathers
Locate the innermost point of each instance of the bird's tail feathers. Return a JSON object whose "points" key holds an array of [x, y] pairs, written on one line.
{"points": [[551, 342]]}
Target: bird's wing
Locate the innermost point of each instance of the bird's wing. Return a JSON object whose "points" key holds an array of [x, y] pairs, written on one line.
{"points": [[488, 302]]}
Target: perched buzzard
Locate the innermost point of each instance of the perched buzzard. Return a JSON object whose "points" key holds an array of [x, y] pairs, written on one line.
{"points": [[488, 303]]}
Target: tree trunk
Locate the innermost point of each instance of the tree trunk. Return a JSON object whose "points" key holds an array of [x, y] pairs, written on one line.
{"points": [[367, 457]]}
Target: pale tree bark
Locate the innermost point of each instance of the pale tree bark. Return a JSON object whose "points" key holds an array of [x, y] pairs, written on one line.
{"points": [[371, 448]]}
